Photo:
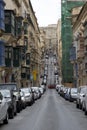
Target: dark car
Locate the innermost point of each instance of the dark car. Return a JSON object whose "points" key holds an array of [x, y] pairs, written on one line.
{"points": [[13, 87], [11, 100]]}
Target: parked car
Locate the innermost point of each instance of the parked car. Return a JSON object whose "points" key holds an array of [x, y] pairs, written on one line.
{"points": [[62, 89], [3, 109], [43, 86], [13, 87], [67, 96], [72, 94], [58, 86], [37, 92], [11, 100], [28, 95], [23, 100], [32, 95], [80, 96], [41, 90]]}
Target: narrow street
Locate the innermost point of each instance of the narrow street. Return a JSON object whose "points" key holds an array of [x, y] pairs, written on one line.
{"points": [[51, 71], [51, 112]]}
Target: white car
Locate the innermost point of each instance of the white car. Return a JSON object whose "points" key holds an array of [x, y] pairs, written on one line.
{"points": [[80, 96], [28, 96], [41, 90], [3, 110]]}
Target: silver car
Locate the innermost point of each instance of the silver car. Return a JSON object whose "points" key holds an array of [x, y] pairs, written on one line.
{"points": [[3, 110], [80, 96], [28, 96]]}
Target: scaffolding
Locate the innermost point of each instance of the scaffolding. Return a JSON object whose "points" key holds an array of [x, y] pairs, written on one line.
{"points": [[66, 35]]}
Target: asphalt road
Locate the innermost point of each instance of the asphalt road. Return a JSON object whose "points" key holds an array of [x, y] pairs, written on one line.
{"points": [[50, 71], [51, 112]]}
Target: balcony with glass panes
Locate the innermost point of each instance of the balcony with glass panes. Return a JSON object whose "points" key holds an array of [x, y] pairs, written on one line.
{"points": [[25, 26], [23, 72], [18, 26], [10, 22], [8, 56]]}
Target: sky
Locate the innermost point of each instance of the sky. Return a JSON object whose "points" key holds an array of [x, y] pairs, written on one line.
{"points": [[47, 11]]}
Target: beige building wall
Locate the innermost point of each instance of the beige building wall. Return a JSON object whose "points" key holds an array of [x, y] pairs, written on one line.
{"points": [[59, 49], [79, 41], [51, 36], [43, 48], [24, 8]]}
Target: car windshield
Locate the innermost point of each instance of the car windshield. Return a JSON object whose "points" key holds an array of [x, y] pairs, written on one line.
{"points": [[73, 90], [6, 93], [35, 88], [8, 86], [25, 90], [83, 90], [30, 90]]}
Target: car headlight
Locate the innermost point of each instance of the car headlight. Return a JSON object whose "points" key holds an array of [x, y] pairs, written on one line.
{"points": [[23, 98]]}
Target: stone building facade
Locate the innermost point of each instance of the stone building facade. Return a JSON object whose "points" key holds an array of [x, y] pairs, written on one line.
{"points": [[80, 45], [59, 50], [22, 43], [51, 36]]}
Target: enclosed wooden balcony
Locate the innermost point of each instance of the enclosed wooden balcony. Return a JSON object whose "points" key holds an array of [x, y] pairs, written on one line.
{"points": [[80, 54]]}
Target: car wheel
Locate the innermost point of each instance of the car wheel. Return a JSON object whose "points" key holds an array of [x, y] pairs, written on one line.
{"points": [[15, 113], [77, 105], [83, 107], [18, 108], [80, 106], [5, 121], [85, 110], [12, 114]]}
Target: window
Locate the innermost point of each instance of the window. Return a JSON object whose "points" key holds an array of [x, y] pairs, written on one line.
{"points": [[8, 52]]}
